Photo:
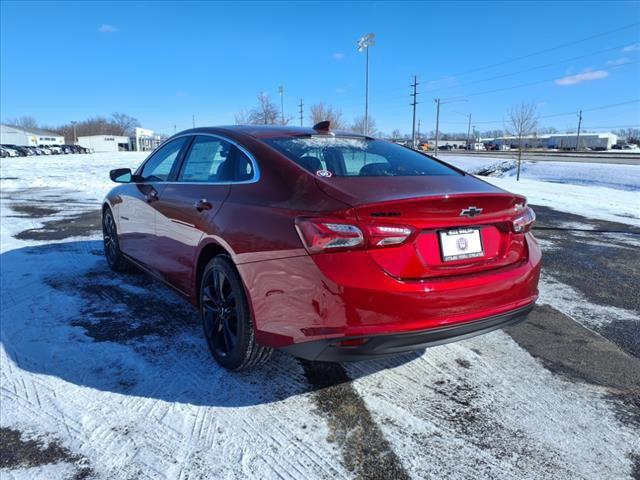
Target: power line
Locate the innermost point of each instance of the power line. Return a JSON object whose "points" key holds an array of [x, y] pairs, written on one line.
{"points": [[546, 50], [509, 74], [563, 114], [513, 87]]}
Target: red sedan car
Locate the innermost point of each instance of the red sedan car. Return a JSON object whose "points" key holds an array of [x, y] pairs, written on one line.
{"points": [[331, 246]]}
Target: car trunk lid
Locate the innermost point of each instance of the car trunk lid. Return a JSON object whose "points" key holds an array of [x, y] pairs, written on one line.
{"points": [[439, 210]]}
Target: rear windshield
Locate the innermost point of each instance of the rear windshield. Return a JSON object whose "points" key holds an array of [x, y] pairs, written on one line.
{"points": [[357, 157]]}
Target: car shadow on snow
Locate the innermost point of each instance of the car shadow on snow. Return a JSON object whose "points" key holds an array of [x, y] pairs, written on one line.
{"points": [[66, 314]]}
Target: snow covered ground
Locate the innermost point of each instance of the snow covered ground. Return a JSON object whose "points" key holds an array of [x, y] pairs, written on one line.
{"points": [[602, 191], [107, 376]]}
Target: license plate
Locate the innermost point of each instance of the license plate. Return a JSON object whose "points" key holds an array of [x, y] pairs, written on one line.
{"points": [[460, 244]]}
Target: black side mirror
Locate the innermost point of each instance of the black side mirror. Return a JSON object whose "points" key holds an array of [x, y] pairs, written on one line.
{"points": [[121, 175]]}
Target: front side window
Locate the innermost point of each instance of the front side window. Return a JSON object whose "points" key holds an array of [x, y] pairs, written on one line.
{"points": [[159, 166], [215, 160], [358, 157]]}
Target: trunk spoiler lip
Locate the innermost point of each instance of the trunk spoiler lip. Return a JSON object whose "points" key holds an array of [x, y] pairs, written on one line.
{"points": [[342, 194], [435, 196]]}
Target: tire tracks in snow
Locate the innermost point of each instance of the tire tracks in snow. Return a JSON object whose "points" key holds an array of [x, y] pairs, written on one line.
{"points": [[365, 450]]}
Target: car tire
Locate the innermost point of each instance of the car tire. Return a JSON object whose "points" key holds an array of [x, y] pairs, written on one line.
{"points": [[112, 251], [227, 322]]}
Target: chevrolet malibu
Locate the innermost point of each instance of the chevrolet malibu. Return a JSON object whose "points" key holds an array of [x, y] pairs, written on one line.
{"points": [[331, 246]]}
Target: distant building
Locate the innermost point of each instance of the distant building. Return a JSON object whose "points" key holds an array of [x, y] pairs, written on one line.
{"points": [[145, 140], [559, 140], [28, 137], [452, 143], [105, 143]]}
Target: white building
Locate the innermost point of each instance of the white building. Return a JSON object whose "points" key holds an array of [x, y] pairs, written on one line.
{"points": [[12, 135], [105, 143], [145, 140], [452, 143], [560, 140]]}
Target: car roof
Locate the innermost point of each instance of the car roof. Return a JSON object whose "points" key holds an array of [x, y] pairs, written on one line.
{"points": [[266, 131]]}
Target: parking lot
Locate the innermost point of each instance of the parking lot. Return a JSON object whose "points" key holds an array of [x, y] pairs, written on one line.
{"points": [[107, 375]]}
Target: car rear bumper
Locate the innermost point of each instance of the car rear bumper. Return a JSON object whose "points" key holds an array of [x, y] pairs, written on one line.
{"points": [[332, 350], [326, 299]]}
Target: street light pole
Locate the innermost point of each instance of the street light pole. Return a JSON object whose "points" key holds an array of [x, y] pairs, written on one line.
{"points": [[364, 43], [366, 97], [435, 152]]}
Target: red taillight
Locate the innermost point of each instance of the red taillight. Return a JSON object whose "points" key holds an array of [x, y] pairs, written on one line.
{"points": [[386, 235], [524, 221], [321, 234]]}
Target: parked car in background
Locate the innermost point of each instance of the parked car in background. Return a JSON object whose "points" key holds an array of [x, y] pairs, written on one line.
{"points": [[21, 151], [445, 147], [3, 153], [331, 246], [10, 151]]}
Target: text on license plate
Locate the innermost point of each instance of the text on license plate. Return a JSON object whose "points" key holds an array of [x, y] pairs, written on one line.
{"points": [[460, 244]]}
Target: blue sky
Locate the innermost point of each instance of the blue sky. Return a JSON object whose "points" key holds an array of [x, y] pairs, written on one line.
{"points": [[166, 61]]}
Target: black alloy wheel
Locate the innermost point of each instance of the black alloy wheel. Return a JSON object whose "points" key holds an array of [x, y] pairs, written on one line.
{"points": [[112, 252], [226, 318]]}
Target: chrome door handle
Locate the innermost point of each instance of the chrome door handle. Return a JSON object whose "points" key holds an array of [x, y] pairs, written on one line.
{"points": [[203, 204], [151, 196]]}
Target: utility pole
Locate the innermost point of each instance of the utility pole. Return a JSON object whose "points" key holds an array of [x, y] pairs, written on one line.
{"points": [[193, 120], [281, 91], [435, 152], [579, 125], [75, 137], [301, 112], [415, 96], [469, 130], [418, 134]]}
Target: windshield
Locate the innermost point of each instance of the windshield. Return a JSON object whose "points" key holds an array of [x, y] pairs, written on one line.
{"points": [[357, 157]]}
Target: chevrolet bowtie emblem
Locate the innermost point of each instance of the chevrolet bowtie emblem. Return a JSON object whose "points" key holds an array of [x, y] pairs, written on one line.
{"points": [[470, 212]]}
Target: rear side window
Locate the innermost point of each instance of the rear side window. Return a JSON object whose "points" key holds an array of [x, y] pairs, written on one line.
{"points": [[214, 160], [159, 166], [358, 157]]}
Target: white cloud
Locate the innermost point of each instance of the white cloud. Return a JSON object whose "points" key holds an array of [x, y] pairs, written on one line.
{"points": [[634, 47], [617, 62], [106, 28], [585, 76], [338, 56]]}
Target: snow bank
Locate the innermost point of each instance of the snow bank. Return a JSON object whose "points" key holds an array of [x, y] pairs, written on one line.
{"points": [[599, 191]]}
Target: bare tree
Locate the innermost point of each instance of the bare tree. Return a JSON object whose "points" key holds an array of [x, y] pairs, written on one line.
{"points": [[631, 135], [358, 125], [265, 113], [125, 124], [320, 112], [396, 134], [23, 122], [548, 130], [523, 121], [242, 117]]}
